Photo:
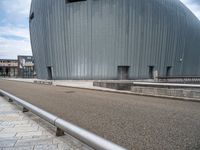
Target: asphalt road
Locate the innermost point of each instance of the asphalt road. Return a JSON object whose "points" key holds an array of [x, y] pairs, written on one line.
{"points": [[135, 122]]}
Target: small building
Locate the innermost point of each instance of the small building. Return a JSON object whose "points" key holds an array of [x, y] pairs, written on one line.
{"points": [[23, 67], [26, 66], [8, 68]]}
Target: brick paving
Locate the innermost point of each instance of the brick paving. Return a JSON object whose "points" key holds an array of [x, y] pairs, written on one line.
{"points": [[26, 131]]}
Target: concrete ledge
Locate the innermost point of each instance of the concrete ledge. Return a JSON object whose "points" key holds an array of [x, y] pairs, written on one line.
{"points": [[185, 91], [117, 85], [43, 82], [181, 93]]}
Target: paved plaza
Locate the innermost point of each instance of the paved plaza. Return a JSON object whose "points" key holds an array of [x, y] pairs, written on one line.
{"points": [[26, 131]]}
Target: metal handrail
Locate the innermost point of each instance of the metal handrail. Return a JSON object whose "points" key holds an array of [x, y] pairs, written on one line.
{"points": [[175, 85], [180, 79], [83, 135]]}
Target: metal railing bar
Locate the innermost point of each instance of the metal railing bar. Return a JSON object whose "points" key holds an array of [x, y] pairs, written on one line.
{"points": [[166, 84], [83, 135]]}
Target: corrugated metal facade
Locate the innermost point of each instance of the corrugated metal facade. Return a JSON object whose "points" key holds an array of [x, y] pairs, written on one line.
{"points": [[90, 39]]}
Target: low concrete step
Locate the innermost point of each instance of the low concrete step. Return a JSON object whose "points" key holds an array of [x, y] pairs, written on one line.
{"points": [[43, 82]]}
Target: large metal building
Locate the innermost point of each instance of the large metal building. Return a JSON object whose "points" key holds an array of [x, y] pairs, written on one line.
{"points": [[114, 39]]}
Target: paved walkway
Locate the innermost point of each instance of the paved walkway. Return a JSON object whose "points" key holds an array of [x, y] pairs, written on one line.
{"points": [[25, 131]]}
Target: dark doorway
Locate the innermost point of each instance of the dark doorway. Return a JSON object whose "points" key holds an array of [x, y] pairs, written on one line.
{"points": [[7, 72], [151, 70], [1, 71], [123, 72], [49, 71], [168, 71]]}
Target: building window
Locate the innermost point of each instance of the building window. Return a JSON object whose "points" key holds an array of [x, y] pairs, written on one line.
{"points": [[31, 16], [72, 1]]}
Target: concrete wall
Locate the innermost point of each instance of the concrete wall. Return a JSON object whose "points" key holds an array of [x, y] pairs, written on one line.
{"points": [[181, 91], [121, 85], [168, 92], [90, 39]]}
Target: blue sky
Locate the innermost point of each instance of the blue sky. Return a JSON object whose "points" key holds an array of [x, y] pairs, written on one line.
{"points": [[14, 29]]}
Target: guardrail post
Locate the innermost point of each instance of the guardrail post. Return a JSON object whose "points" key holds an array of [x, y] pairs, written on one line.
{"points": [[10, 100], [25, 110], [59, 132]]}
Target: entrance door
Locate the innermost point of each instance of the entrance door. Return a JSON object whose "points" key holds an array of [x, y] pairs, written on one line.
{"points": [[123, 72], [151, 70], [49, 71], [7, 72], [168, 71]]}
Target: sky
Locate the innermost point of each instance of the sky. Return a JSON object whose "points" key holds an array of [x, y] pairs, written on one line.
{"points": [[14, 28]]}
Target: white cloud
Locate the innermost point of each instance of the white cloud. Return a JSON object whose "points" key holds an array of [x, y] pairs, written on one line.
{"points": [[193, 6], [10, 48], [14, 31], [17, 7]]}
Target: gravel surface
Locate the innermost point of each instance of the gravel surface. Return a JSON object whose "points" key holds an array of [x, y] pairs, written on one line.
{"points": [[135, 122]]}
